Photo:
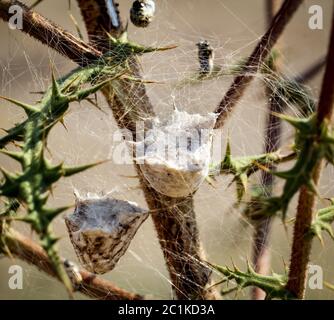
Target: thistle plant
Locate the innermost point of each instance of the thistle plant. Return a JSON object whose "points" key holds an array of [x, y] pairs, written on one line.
{"points": [[312, 145], [322, 222], [31, 187], [273, 286], [109, 64], [242, 167]]}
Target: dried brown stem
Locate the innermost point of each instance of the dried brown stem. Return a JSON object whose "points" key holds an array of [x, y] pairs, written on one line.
{"points": [[301, 247], [312, 71], [174, 219], [27, 250], [256, 59], [21, 247], [51, 34], [96, 14], [261, 254], [176, 225], [189, 277]]}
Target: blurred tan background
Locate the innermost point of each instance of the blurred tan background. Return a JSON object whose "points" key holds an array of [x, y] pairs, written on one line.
{"points": [[233, 28]]}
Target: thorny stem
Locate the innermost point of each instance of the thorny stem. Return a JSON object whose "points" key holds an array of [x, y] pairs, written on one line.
{"points": [[176, 225], [301, 247], [65, 43], [261, 254], [175, 220], [51, 35], [189, 279], [27, 250], [256, 59]]}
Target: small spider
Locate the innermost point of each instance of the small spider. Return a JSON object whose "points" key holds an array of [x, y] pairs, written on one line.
{"points": [[205, 57], [142, 12]]}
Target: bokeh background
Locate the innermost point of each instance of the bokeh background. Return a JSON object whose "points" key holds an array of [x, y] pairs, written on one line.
{"points": [[233, 28]]}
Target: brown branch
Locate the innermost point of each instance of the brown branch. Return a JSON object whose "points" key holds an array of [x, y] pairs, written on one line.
{"points": [[255, 60], [20, 246], [101, 19], [176, 225], [27, 250], [312, 71], [51, 34], [301, 247], [174, 219], [187, 274], [261, 254]]}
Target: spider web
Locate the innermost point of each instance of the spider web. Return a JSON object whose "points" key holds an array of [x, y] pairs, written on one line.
{"points": [[233, 29]]}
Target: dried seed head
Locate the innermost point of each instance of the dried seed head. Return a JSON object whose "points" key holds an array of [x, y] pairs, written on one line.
{"points": [[101, 230], [175, 156], [205, 57], [142, 12]]}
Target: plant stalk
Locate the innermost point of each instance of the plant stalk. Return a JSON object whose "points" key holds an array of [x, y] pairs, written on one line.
{"points": [[302, 244], [51, 34], [260, 250], [174, 219], [256, 59], [27, 250]]}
